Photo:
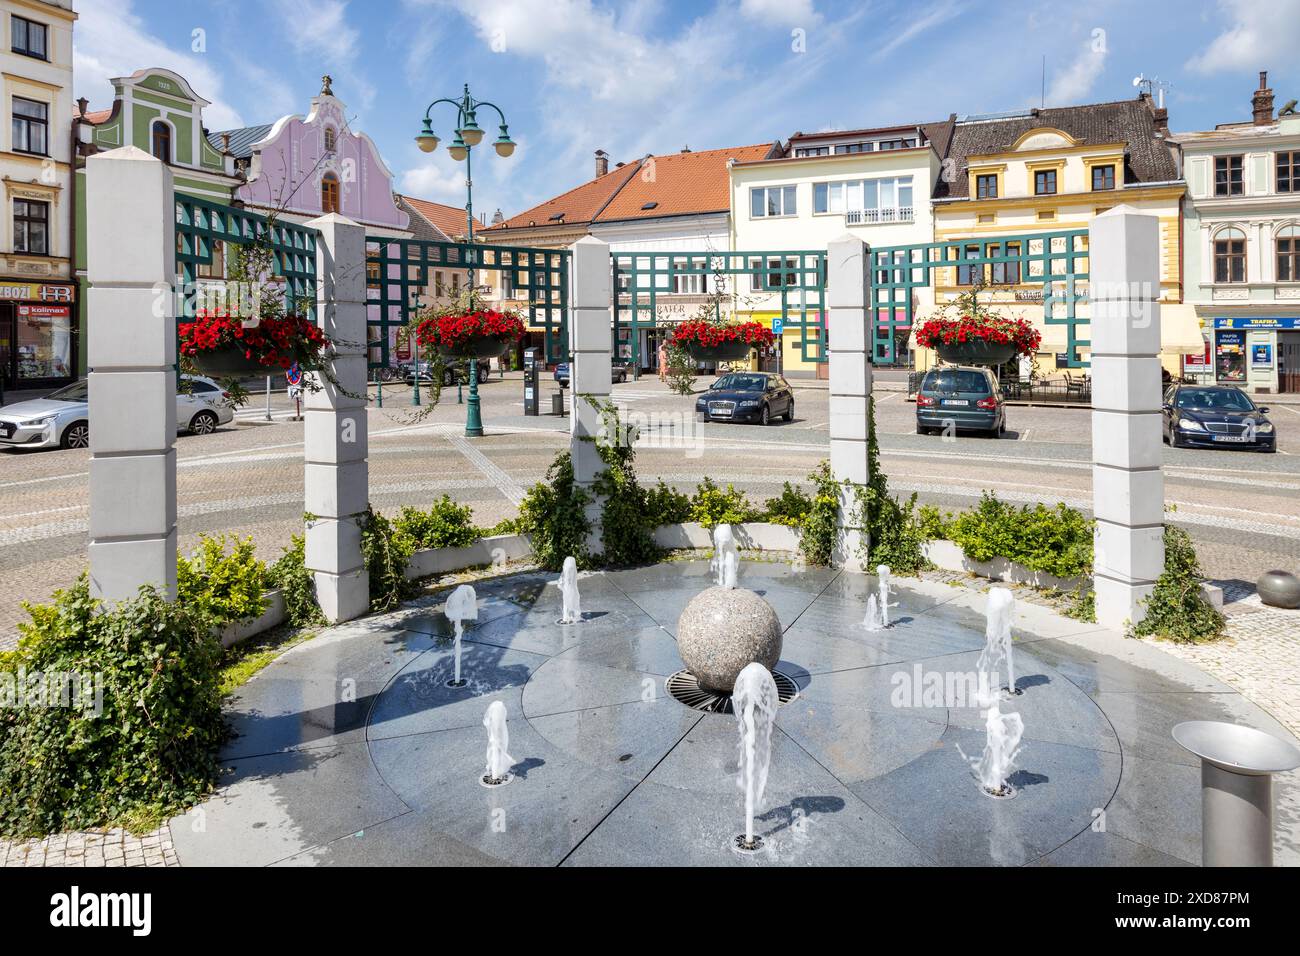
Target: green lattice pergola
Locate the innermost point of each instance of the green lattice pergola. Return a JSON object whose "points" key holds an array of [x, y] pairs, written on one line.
{"points": [[201, 224], [1049, 259], [397, 270], [798, 276]]}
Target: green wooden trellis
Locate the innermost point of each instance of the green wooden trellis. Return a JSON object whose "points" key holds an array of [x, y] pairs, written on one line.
{"points": [[200, 223], [399, 270], [799, 276], [1049, 259]]}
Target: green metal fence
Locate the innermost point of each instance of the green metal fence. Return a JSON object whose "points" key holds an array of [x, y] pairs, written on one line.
{"points": [[404, 275], [796, 277], [1050, 260], [204, 230]]}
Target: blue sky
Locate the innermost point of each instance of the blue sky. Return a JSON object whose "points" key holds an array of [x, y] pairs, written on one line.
{"points": [[657, 75]]}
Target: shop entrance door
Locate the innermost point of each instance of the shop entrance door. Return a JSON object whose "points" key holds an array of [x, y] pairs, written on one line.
{"points": [[1288, 365], [8, 369]]}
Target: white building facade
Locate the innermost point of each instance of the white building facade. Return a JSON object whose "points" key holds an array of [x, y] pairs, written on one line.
{"points": [[1242, 241]]}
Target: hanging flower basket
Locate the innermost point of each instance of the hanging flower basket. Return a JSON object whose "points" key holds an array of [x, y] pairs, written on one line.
{"points": [[720, 342], [480, 334], [219, 345], [978, 337]]}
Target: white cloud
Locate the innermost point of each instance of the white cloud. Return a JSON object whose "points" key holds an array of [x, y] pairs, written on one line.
{"points": [[319, 28], [438, 180], [1075, 82], [110, 40], [788, 13], [1261, 35], [937, 15]]}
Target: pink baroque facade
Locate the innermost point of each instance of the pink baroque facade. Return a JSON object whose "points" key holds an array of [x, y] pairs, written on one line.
{"points": [[305, 167]]}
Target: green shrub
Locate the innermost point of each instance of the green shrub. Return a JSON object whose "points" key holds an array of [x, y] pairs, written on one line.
{"points": [[681, 370], [666, 505], [713, 506], [626, 522], [820, 529], [1056, 541], [934, 523], [224, 587], [895, 536], [387, 552], [553, 513], [289, 573], [445, 525], [1176, 611], [150, 753], [504, 526], [790, 508], [1083, 605]]}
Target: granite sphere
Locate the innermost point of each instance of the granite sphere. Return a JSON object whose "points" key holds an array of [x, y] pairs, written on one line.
{"points": [[1279, 589], [722, 630]]}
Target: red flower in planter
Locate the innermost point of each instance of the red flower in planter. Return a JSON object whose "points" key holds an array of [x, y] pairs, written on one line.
{"points": [[710, 335], [455, 333], [273, 342]]}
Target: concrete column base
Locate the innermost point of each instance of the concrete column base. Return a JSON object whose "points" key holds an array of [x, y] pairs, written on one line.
{"points": [[1119, 603], [342, 596]]}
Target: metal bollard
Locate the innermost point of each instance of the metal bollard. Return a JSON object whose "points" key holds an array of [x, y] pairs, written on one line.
{"points": [[1237, 767]]}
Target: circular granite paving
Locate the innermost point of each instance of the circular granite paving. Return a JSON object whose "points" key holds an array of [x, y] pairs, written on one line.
{"points": [[354, 749]]}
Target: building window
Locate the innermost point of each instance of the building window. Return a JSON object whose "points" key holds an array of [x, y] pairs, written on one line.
{"points": [[766, 202], [29, 38], [30, 126], [1288, 172], [1103, 177], [813, 151], [217, 268], [1228, 176], [1005, 273], [329, 193], [1230, 256], [160, 141], [969, 275], [854, 148], [330, 140], [1288, 254], [767, 275], [32, 227], [896, 144], [1045, 182], [986, 187], [866, 200]]}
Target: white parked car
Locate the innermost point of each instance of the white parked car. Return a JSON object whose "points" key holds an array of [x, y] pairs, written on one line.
{"points": [[62, 419]]}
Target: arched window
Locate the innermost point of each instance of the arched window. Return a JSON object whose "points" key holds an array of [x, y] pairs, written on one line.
{"points": [[1288, 254], [1230, 255], [330, 140], [160, 141], [329, 193]]}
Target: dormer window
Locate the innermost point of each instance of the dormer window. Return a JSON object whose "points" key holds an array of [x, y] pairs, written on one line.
{"points": [[1228, 176], [160, 141], [1103, 177]]}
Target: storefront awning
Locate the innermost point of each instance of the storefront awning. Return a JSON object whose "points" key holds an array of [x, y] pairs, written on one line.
{"points": [[1180, 330]]}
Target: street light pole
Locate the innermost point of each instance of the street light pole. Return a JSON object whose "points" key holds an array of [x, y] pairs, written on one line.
{"points": [[415, 350], [468, 135]]}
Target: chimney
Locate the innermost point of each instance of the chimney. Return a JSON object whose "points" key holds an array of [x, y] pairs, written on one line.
{"points": [[1160, 116], [225, 142], [1262, 102], [602, 163]]}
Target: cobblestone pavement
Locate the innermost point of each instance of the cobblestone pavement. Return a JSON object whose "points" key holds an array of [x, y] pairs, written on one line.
{"points": [[93, 848]]}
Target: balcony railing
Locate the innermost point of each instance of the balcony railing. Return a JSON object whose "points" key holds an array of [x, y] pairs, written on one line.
{"points": [[868, 217]]}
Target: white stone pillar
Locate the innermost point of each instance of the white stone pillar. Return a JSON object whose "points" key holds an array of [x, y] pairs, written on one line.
{"points": [[590, 341], [131, 265], [1127, 484], [849, 330], [337, 479]]}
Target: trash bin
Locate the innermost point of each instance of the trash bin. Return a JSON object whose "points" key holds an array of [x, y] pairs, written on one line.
{"points": [[557, 403]]}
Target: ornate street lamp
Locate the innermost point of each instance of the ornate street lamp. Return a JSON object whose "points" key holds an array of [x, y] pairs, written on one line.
{"points": [[468, 135]]}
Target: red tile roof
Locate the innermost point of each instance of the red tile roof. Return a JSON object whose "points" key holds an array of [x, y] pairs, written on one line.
{"points": [[449, 219], [676, 183], [94, 117]]}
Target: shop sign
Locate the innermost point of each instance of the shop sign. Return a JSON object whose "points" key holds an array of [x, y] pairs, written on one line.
{"points": [[1258, 323], [36, 291], [1261, 356], [1230, 356]]}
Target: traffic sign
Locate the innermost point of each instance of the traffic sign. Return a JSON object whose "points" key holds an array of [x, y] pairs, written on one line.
{"points": [[778, 326], [293, 374]]}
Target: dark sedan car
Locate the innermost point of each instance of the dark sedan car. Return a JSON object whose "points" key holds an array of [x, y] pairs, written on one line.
{"points": [[617, 372], [1216, 416], [960, 397], [747, 397]]}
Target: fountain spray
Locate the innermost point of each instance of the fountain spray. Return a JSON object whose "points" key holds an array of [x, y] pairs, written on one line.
{"points": [[882, 574], [572, 613], [726, 557], [997, 637], [872, 621], [499, 761], [754, 700], [1001, 747], [461, 606]]}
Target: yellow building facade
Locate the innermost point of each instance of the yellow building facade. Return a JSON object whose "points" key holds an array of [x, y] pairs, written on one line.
{"points": [[1011, 177]]}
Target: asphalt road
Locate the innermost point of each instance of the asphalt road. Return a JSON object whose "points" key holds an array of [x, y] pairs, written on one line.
{"points": [[1242, 508]]}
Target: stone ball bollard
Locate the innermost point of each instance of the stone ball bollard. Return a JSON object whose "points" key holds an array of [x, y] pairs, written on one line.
{"points": [[1279, 589], [724, 629]]}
